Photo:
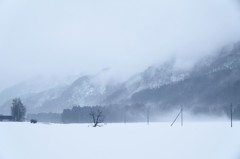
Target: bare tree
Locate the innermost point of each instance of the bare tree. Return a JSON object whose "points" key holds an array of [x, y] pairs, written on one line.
{"points": [[97, 117]]}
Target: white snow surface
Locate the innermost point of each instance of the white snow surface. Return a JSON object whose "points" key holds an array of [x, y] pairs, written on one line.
{"points": [[195, 140]]}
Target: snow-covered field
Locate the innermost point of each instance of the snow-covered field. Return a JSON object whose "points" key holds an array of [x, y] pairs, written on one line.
{"points": [[196, 140]]}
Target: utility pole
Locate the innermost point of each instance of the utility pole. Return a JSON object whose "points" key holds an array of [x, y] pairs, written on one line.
{"points": [[148, 116], [181, 112], [231, 114], [110, 116], [125, 116], [181, 115]]}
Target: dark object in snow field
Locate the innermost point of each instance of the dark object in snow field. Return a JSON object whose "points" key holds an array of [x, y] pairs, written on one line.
{"points": [[33, 121]]}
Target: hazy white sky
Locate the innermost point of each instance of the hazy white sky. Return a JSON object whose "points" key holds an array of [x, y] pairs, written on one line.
{"points": [[59, 37]]}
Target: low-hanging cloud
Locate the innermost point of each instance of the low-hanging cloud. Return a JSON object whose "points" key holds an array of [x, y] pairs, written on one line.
{"points": [[48, 38]]}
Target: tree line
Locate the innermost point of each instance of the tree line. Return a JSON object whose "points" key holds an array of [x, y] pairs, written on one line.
{"points": [[115, 113], [110, 113]]}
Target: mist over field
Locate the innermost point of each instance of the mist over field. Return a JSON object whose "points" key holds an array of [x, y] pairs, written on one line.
{"points": [[144, 55], [129, 79]]}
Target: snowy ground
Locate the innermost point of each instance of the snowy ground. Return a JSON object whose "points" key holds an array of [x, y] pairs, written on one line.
{"points": [[196, 140]]}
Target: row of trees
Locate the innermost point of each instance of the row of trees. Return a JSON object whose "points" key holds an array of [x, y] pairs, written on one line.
{"points": [[137, 113], [114, 113], [109, 113]]}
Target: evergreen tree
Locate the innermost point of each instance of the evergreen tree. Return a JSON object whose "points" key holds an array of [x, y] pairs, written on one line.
{"points": [[18, 110]]}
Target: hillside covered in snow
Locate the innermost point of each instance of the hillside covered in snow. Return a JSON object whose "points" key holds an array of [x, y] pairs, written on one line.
{"points": [[212, 82]]}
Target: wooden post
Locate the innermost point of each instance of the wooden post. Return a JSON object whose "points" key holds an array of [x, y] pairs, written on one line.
{"points": [[176, 117]]}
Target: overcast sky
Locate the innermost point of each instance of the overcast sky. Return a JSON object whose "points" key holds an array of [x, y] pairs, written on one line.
{"points": [[60, 37]]}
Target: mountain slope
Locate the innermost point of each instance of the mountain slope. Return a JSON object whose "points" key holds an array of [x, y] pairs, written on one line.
{"points": [[212, 83]]}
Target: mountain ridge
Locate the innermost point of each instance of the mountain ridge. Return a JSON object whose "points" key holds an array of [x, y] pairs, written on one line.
{"points": [[157, 85]]}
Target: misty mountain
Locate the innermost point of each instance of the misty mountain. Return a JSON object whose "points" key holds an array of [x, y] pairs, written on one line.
{"points": [[97, 89], [33, 92], [154, 76], [212, 82], [83, 91]]}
